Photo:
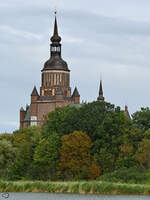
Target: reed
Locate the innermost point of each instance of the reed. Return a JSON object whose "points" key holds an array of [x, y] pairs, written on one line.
{"points": [[83, 187]]}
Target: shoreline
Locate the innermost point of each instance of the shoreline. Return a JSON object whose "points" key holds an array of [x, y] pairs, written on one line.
{"points": [[83, 187]]}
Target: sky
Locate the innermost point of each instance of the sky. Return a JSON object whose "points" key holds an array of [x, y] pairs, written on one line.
{"points": [[100, 38]]}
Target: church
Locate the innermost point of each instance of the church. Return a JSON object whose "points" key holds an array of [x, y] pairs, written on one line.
{"points": [[55, 90]]}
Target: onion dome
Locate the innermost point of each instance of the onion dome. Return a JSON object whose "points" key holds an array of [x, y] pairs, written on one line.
{"points": [[56, 63]]}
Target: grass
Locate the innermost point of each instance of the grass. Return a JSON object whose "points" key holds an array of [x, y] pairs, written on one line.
{"points": [[83, 187]]}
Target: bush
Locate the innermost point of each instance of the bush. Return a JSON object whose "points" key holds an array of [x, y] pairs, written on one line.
{"points": [[125, 175]]}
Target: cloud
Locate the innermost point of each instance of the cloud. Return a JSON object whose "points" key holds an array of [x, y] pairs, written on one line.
{"points": [[26, 35]]}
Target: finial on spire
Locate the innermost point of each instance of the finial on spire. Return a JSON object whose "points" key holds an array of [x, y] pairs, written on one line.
{"points": [[55, 11]]}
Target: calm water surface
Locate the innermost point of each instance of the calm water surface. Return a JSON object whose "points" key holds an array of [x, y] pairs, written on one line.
{"points": [[49, 196]]}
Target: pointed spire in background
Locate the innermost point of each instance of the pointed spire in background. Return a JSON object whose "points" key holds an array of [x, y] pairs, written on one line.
{"points": [[100, 98], [75, 93], [101, 88], [127, 112], [34, 92], [55, 25]]}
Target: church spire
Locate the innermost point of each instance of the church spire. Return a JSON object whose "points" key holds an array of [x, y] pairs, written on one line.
{"points": [[100, 97], [127, 112], [55, 38], [55, 62]]}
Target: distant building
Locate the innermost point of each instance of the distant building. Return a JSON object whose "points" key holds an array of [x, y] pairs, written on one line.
{"points": [[55, 88]]}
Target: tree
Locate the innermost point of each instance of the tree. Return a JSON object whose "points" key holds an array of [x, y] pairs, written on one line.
{"points": [[94, 171], [60, 121], [105, 159], [104, 123], [6, 136], [75, 155], [46, 157], [26, 141], [142, 118], [126, 157], [90, 118], [143, 153], [7, 155]]}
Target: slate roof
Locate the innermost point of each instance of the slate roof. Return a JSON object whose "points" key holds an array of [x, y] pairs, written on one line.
{"points": [[47, 98], [76, 105], [34, 92], [28, 115], [76, 93]]}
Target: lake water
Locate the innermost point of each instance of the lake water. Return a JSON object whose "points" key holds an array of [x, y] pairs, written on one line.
{"points": [[49, 196]]}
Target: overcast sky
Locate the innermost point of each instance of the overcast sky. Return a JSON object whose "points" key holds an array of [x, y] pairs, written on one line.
{"points": [[108, 37]]}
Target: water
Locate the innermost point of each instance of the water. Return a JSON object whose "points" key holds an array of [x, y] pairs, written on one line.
{"points": [[49, 196]]}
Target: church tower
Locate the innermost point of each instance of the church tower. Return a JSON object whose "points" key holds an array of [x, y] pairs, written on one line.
{"points": [[55, 88], [55, 72]]}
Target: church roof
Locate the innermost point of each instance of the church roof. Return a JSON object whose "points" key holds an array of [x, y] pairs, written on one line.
{"points": [[55, 63], [76, 93], [27, 116], [34, 92], [75, 105]]}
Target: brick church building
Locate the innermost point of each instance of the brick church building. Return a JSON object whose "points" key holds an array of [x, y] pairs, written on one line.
{"points": [[55, 88]]}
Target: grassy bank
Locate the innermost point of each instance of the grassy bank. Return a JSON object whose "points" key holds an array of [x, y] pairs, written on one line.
{"points": [[92, 187]]}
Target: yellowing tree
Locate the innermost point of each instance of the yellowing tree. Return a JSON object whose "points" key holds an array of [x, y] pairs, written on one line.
{"points": [[75, 155], [94, 171]]}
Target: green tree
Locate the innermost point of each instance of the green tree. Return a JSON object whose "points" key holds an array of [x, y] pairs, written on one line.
{"points": [[6, 136], [102, 121], [126, 157], [7, 155], [26, 141], [46, 157], [143, 153], [60, 121], [142, 118]]}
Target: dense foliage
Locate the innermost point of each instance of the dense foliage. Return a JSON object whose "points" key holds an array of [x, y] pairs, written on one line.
{"points": [[95, 140], [125, 175]]}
